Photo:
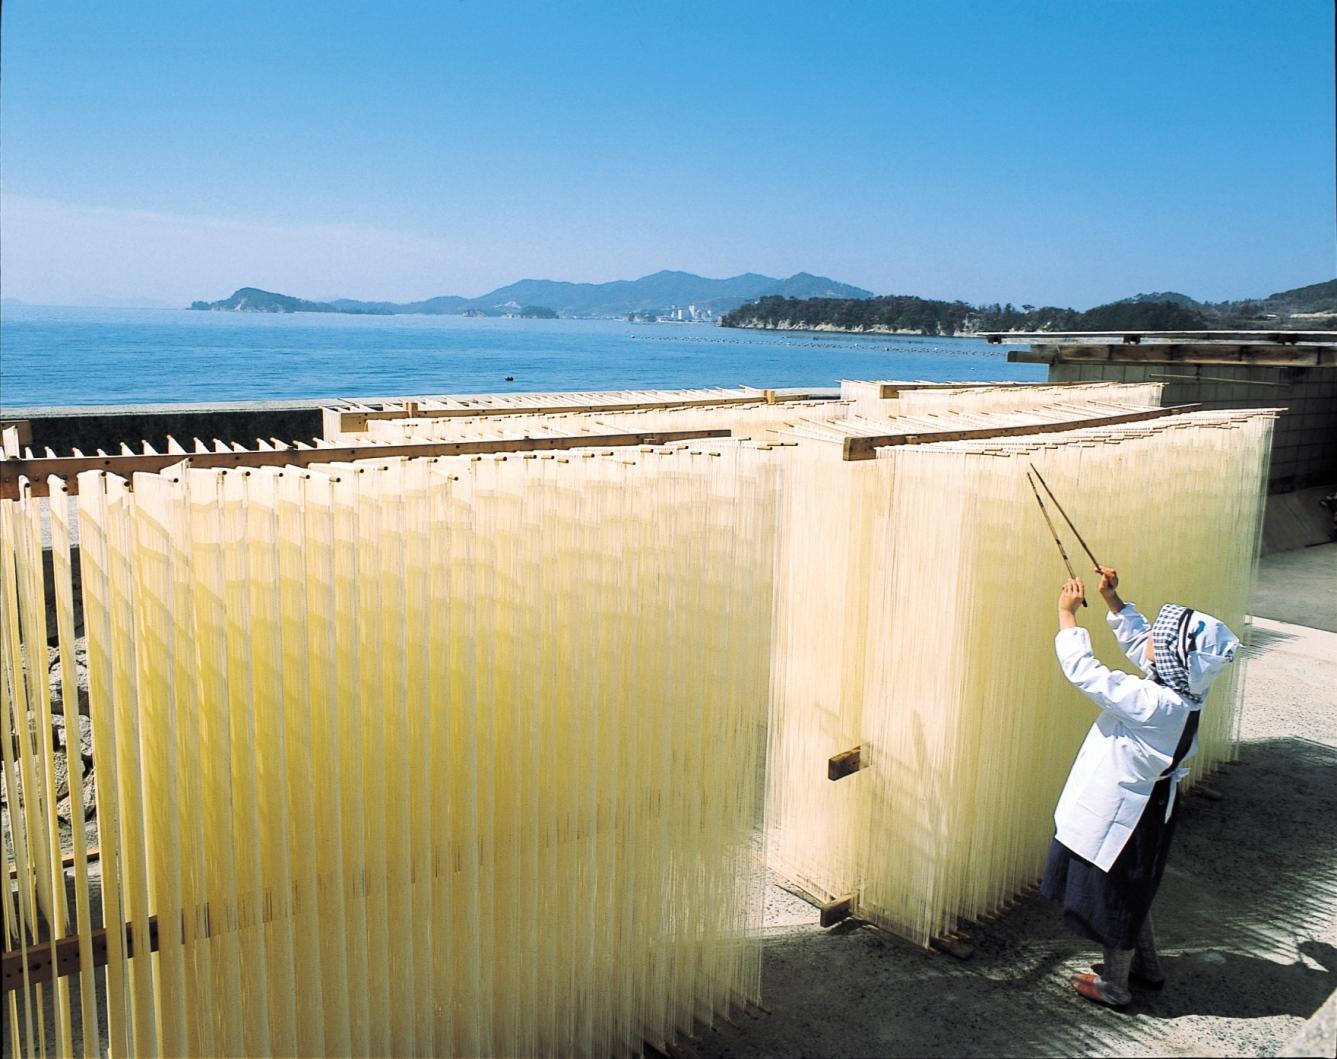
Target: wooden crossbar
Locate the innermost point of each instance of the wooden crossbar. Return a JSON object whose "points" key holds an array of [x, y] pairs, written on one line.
{"points": [[865, 448], [46, 961], [37, 470]]}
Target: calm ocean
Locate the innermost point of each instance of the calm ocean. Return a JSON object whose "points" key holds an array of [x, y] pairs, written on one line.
{"points": [[58, 356]]}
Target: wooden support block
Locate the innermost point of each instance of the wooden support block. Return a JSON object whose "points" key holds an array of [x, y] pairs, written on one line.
{"points": [[844, 764], [953, 946], [834, 911], [1210, 793]]}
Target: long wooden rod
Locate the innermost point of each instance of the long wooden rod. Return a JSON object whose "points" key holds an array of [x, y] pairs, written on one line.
{"points": [[1094, 561], [1053, 532]]}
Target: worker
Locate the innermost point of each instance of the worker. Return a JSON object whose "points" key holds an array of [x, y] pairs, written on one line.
{"points": [[1115, 818]]}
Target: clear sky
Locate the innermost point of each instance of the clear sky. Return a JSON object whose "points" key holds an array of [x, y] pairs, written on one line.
{"points": [[1067, 152]]}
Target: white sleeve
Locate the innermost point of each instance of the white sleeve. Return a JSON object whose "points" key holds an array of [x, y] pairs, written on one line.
{"points": [[1130, 628], [1134, 700]]}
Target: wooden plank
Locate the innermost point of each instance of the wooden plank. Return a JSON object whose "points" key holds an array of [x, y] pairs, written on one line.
{"points": [[846, 763], [834, 911], [70, 467], [866, 448]]}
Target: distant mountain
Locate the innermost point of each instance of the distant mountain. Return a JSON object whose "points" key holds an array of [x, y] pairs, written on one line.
{"points": [[657, 292], [661, 291]]}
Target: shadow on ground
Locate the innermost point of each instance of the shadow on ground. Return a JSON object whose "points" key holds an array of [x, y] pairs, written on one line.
{"points": [[1249, 889]]}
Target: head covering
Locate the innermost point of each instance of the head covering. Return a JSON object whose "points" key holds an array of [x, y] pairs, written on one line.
{"points": [[1191, 649]]}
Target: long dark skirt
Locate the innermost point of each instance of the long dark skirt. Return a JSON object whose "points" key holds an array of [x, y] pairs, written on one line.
{"points": [[1109, 907]]}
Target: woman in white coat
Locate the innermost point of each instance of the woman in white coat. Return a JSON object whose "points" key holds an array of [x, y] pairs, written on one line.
{"points": [[1115, 817]]}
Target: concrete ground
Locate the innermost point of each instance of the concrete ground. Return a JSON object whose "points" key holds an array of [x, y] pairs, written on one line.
{"points": [[1247, 914]]}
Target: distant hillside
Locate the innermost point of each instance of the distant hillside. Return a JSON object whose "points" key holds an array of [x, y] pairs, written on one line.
{"points": [[649, 294], [1311, 308], [1305, 308]]}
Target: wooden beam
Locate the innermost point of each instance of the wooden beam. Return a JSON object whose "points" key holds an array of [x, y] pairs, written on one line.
{"points": [[846, 763], [70, 467], [865, 448]]}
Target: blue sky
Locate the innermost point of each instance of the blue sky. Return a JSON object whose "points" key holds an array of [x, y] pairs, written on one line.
{"points": [[1065, 152]]}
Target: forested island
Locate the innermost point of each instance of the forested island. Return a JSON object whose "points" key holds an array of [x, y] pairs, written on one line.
{"points": [[255, 300], [1305, 308]]}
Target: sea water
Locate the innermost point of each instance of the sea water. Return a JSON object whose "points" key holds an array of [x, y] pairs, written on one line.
{"points": [[71, 356]]}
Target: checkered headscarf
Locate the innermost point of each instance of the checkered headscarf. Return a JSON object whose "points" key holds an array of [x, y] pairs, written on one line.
{"points": [[1169, 635]]}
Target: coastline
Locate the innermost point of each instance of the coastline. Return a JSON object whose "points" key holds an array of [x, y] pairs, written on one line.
{"points": [[902, 332]]}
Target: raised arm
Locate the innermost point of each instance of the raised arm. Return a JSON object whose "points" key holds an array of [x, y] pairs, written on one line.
{"points": [[1133, 699], [1109, 588], [1130, 628]]}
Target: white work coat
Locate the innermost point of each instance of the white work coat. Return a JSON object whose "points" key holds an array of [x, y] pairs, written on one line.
{"points": [[1130, 746]]}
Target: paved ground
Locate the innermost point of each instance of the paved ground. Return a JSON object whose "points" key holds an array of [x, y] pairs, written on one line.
{"points": [[1286, 593], [1246, 912]]}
